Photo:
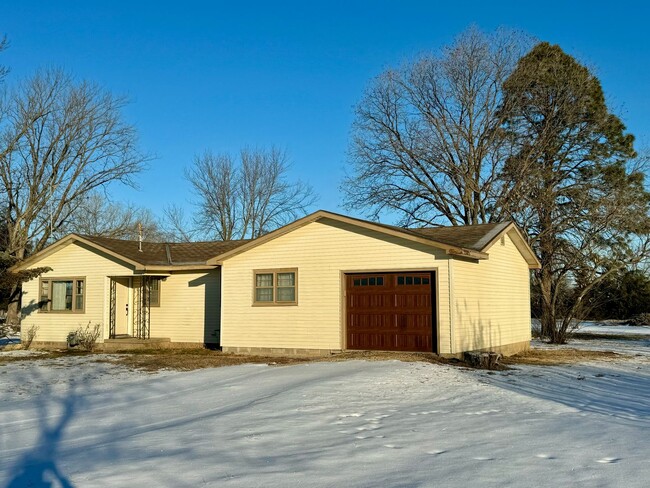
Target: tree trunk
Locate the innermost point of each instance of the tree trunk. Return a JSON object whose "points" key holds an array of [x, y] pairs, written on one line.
{"points": [[546, 247], [548, 312], [13, 308]]}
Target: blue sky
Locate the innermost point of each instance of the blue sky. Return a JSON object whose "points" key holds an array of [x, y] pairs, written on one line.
{"points": [[223, 75]]}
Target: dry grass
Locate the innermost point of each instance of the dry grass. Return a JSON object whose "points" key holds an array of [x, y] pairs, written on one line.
{"points": [[4, 359], [190, 359], [551, 357]]}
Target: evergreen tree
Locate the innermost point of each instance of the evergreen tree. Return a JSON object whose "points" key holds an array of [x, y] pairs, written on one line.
{"points": [[572, 187]]}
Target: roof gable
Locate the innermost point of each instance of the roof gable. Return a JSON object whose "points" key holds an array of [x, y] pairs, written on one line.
{"points": [[465, 241], [471, 241], [154, 255]]}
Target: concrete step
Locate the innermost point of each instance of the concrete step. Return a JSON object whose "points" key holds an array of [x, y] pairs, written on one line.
{"points": [[127, 343]]}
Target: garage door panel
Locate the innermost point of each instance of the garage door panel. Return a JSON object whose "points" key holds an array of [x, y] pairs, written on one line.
{"points": [[413, 322], [371, 341], [363, 322], [420, 301], [390, 311], [411, 342], [367, 301]]}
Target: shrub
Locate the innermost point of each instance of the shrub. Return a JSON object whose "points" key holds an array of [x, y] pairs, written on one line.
{"points": [[639, 319], [86, 338], [29, 335], [483, 360]]}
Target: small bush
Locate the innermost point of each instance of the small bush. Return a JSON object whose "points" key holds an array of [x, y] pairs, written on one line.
{"points": [[29, 335], [483, 360], [639, 320], [85, 338]]}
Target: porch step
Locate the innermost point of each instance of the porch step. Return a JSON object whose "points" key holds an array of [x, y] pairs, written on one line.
{"points": [[126, 343]]}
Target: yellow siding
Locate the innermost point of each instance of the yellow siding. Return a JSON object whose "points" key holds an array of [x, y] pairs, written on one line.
{"points": [[321, 251], [189, 310], [189, 307], [74, 260], [491, 299]]}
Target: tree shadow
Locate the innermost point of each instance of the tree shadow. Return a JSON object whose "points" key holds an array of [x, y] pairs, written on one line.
{"points": [[472, 332], [211, 283], [38, 467], [617, 393]]}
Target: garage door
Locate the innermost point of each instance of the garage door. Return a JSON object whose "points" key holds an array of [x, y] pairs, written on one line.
{"points": [[390, 311]]}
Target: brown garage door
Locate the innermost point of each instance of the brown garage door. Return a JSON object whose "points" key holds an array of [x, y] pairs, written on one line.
{"points": [[390, 311]]}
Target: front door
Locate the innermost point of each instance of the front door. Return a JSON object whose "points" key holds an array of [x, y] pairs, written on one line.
{"points": [[122, 305]]}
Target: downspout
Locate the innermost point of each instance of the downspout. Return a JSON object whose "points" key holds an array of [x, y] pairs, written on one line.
{"points": [[221, 300]]}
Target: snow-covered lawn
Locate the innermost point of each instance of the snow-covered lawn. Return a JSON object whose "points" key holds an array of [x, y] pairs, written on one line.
{"points": [[605, 328], [334, 424]]}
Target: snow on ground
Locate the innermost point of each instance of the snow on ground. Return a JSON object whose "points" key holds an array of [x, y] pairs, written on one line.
{"points": [[353, 424], [609, 338], [609, 328], [12, 339]]}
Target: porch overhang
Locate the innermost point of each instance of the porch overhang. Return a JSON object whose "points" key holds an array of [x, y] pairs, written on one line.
{"points": [[151, 273]]}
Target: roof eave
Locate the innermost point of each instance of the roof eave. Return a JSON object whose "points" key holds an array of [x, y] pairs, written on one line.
{"points": [[137, 265], [176, 267], [70, 239], [320, 214], [488, 241], [520, 242]]}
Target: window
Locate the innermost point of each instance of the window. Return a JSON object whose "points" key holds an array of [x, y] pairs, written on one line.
{"points": [[374, 281], [275, 287], [412, 280], [154, 292], [62, 295]]}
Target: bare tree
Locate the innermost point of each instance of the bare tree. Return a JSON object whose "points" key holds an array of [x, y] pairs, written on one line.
{"points": [[4, 44], [59, 141], [247, 197], [176, 226], [97, 216], [217, 184], [426, 139]]}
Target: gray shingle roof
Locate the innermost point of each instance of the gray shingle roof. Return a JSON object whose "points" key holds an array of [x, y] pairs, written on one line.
{"points": [[474, 237], [165, 253]]}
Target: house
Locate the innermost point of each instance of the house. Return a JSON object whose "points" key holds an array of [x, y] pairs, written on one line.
{"points": [[323, 283]]}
